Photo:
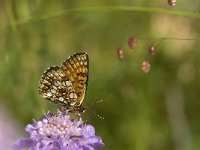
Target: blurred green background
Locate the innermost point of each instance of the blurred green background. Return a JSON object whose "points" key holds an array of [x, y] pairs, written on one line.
{"points": [[153, 111]]}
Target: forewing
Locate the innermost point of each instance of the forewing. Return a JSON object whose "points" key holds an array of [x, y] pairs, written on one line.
{"points": [[76, 69]]}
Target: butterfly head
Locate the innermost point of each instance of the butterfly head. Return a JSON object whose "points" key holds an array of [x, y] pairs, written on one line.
{"points": [[76, 109], [80, 110]]}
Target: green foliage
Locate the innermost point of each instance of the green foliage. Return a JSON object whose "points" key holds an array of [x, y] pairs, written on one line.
{"points": [[142, 111]]}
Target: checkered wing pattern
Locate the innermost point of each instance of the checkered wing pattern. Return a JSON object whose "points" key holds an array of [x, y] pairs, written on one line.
{"points": [[66, 85]]}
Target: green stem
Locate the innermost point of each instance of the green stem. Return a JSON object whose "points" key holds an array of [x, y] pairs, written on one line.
{"points": [[109, 9]]}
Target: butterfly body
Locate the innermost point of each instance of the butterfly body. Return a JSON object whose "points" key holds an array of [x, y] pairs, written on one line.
{"points": [[66, 85]]}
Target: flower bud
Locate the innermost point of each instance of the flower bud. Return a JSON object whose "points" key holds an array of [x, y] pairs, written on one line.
{"points": [[132, 42], [146, 66], [120, 53]]}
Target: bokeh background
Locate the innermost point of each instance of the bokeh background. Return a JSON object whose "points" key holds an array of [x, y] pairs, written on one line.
{"points": [[158, 110]]}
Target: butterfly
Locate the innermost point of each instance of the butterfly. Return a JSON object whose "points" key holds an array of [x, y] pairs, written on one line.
{"points": [[66, 85]]}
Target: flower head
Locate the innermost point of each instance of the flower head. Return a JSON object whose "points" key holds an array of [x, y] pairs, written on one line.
{"points": [[120, 53], [146, 66], [132, 42], [60, 132]]}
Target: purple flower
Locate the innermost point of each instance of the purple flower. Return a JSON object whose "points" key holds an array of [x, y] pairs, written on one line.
{"points": [[60, 132]]}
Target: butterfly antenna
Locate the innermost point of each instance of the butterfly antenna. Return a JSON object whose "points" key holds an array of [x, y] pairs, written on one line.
{"points": [[94, 103], [92, 111]]}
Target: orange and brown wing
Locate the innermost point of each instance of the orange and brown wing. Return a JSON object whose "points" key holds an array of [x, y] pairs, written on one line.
{"points": [[76, 69]]}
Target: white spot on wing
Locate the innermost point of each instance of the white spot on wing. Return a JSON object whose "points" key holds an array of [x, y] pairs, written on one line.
{"points": [[58, 82], [68, 83], [45, 81], [61, 99], [49, 94], [62, 75], [51, 74], [55, 87], [73, 95], [63, 83], [53, 91]]}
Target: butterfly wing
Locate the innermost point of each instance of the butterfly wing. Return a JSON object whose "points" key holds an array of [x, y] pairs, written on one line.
{"points": [[66, 85], [76, 68]]}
